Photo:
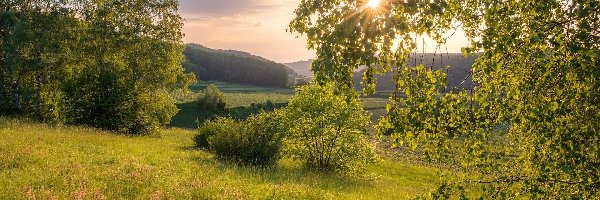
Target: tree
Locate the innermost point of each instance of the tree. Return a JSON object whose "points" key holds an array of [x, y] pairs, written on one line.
{"points": [[104, 63], [530, 126], [212, 100], [326, 130], [36, 58], [136, 50]]}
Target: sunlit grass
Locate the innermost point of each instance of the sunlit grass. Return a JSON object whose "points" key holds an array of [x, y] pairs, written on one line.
{"points": [[38, 161]]}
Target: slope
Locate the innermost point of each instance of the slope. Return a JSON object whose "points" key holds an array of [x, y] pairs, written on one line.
{"points": [[38, 161], [236, 67]]}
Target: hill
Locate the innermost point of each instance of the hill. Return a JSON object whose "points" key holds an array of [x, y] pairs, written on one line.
{"points": [[301, 67], [458, 73], [236, 67], [43, 162]]}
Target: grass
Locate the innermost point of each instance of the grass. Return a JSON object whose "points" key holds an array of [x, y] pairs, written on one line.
{"points": [[237, 97], [240, 96], [376, 106], [238, 88], [39, 161]]}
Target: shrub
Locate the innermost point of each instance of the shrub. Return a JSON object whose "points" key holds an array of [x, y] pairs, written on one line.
{"points": [[254, 141], [212, 127], [326, 130], [212, 99]]}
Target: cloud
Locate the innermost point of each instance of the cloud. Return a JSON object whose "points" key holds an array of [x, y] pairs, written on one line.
{"points": [[255, 26], [217, 8], [224, 20]]}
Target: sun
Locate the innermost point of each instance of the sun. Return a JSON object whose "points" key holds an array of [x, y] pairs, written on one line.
{"points": [[373, 3]]}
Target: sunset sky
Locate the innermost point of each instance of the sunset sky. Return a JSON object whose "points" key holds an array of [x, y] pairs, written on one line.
{"points": [[256, 26]]}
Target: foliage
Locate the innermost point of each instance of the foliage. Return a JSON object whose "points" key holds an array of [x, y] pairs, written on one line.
{"points": [[456, 66], [302, 82], [326, 130], [107, 64], [35, 58], [254, 141], [209, 128], [528, 128], [236, 67], [212, 99]]}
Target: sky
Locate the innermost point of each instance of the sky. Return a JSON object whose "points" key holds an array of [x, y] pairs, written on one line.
{"points": [[258, 27]]}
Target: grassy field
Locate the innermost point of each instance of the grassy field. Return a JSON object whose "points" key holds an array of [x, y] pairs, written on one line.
{"points": [[237, 88], [240, 96], [236, 97], [38, 161]]}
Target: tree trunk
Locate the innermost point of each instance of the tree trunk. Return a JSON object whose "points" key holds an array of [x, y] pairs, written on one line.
{"points": [[16, 99], [39, 93]]}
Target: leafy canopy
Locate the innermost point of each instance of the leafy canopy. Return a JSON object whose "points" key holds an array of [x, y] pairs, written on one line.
{"points": [[104, 63], [530, 126]]}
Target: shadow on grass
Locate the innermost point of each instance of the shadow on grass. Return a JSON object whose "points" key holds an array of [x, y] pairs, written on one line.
{"points": [[189, 113], [286, 172]]}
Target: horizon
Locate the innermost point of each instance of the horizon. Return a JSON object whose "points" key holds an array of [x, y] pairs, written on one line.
{"points": [[259, 27]]}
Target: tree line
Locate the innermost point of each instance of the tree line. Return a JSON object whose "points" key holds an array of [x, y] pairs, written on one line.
{"points": [[104, 63], [236, 67]]}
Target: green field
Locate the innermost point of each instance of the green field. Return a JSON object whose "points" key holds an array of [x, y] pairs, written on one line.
{"points": [[38, 161], [237, 97], [241, 96], [42, 162]]}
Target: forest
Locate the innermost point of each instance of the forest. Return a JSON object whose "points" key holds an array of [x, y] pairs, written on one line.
{"points": [[101, 99], [236, 67]]}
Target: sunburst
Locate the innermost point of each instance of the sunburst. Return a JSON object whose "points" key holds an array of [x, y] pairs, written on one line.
{"points": [[373, 3]]}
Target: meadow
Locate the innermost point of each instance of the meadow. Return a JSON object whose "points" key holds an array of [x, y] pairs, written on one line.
{"points": [[239, 97], [56, 162], [44, 162]]}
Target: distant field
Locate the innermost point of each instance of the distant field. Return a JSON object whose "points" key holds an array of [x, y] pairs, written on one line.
{"points": [[236, 97], [239, 96], [237, 88], [42, 162]]}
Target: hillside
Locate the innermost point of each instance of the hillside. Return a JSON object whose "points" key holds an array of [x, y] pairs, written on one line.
{"points": [[458, 73], [43, 162], [236, 67], [301, 67]]}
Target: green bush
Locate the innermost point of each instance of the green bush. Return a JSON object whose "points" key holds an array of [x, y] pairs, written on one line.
{"points": [[326, 130], [212, 99], [212, 127], [254, 141]]}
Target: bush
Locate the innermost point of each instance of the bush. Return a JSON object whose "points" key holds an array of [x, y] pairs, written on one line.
{"points": [[212, 127], [326, 130], [212, 99], [254, 141]]}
